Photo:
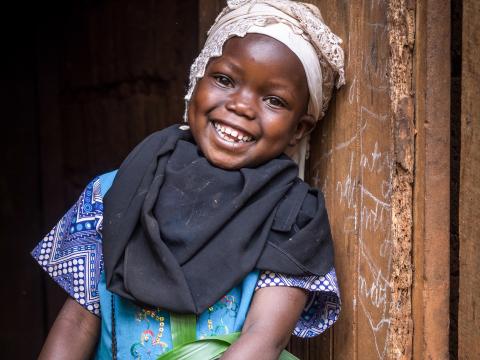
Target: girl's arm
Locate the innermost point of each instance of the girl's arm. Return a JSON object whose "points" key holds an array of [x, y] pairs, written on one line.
{"points": [[269, 324], [73, 335]]}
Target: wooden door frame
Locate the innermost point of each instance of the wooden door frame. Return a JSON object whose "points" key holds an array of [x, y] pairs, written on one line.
{"points": [[431, 236]]}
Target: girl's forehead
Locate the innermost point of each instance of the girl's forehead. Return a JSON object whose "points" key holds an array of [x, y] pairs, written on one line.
{"points": [[258, 49]]}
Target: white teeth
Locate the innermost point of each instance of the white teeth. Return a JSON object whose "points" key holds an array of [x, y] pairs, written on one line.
{"points": [[230, 134]]}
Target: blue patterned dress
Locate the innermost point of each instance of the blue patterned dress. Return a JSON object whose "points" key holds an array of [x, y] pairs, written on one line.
{"points": [[71, 253]]}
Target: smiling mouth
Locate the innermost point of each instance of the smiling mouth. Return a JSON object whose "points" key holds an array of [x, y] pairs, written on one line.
{"points": [[230, 134]]}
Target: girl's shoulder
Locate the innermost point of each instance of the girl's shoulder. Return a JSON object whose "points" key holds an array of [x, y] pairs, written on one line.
{"points": [[71, 252], [298, 207], [105, 181]]}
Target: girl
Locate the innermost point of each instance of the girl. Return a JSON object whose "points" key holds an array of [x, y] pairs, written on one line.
{"points": [[206, 232]]}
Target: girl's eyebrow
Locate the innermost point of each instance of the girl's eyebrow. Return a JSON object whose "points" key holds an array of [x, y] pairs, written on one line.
{"points": [[274, 84], [271, 84], [230, 63]]}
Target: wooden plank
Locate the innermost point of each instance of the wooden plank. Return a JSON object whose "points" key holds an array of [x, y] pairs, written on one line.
{"points": [[334, 169], [469, 212], [207, 12], [352, 157], [432, 181]]}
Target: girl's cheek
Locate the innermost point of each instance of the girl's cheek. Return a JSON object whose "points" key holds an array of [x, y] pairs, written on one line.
{"points": [[207, 91]]}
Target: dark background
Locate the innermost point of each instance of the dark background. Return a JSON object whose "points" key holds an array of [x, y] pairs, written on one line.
{"points": [[83, 82]]}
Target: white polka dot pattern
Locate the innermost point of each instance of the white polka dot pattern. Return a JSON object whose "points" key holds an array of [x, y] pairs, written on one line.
{"points": [[71, 253], [323, 306]]}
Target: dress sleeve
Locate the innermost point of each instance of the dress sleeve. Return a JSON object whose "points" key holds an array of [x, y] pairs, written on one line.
{"points": [[71, 253], [323, 305]]}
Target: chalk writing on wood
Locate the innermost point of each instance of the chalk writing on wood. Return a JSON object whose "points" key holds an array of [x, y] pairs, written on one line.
{"points": [[374, 255], [362, 193], [352, 163]]}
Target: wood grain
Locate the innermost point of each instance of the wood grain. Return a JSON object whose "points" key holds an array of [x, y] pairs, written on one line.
{"points": [[351, 161], [432, 180], [469, 226]]}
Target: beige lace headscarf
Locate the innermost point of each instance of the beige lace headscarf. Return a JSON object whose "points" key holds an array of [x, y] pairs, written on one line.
{"points": [[301, 28]]}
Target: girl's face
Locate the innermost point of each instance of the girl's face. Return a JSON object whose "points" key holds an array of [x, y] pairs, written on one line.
{"points": [[251, 104]]}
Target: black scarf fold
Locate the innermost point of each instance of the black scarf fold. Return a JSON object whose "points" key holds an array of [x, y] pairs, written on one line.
{"points": [[179, 233]]}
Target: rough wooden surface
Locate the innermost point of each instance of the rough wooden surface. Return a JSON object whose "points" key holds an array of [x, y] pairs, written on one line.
{"points": [[207, 12], [334, 167], [432, 180], [354, 161], [401, 18], [469, 226]]}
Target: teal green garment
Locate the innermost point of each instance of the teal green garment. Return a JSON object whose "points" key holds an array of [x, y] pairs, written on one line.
{"points": [[144, 333]]}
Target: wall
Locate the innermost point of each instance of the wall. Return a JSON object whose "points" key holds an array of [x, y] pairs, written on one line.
{"points": [[362, 158], [382, 158], [469, 294]]}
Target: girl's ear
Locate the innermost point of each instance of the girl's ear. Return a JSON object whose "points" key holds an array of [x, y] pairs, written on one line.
{"points": [[305, 126]]}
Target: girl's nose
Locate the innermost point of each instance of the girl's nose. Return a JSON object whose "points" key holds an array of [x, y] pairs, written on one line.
{"points": [[242, 105]]}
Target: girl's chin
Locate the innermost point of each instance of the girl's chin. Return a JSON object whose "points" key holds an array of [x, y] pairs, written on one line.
{"points": [[226, 163]]}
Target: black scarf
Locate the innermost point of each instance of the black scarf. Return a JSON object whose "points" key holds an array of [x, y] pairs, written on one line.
{"points": [[179, 233]]}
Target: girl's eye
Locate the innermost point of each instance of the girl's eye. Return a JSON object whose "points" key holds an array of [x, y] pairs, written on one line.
{"points": [[223, 80], [275, 102]]}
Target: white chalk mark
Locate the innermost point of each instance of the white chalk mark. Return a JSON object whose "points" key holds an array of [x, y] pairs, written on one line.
{"points": [[380, 88], [369, 161], [380, 117], [377, 25], [352, 91], [345, 144], [378, 201], [363, 194], [373, 284], [346, 188]]}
